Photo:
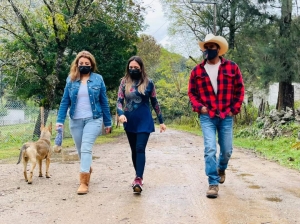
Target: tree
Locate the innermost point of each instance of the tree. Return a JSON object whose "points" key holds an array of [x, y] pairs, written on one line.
{"points": [[286, 89], [36, 35], [172, 74], [149, 50], [197, 19]]}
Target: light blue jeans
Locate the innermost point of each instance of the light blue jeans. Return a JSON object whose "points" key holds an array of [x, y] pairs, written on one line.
{"points": [[211, 126], [84, 133]]}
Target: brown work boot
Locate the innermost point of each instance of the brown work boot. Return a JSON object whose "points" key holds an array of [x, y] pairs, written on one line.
{"points": [[84, 186], [212, 191], [222, 175]]}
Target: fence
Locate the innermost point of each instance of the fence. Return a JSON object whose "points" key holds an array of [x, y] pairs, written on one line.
{"points": [[20, 123]]}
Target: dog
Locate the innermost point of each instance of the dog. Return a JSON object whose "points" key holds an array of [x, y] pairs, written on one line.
{"points": [[36, 152]]}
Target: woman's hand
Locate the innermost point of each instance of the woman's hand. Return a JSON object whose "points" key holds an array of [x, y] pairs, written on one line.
{"points": [[162, 127], [122, 119], [59, 125], [107, 130]]}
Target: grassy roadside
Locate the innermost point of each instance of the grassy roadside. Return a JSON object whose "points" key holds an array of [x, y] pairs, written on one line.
{"points": [[10, 150], [279, 150]]}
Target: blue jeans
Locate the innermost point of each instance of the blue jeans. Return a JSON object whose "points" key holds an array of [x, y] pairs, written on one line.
{"points": [[211, 126], [138, 143], [84, 133]]}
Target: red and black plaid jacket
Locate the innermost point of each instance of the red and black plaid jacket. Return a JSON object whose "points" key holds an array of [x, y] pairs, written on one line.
{"points": [[230, 93]]}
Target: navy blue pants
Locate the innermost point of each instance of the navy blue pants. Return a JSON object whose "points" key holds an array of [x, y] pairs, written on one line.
{"points": [[138, 142]]}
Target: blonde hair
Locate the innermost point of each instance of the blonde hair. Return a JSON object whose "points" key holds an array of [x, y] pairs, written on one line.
{"points": [[74, 71], [144, 80]]}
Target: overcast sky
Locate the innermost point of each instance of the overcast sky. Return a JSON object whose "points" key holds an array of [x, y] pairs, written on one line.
{"points": [[158, 28], [158, 24]]}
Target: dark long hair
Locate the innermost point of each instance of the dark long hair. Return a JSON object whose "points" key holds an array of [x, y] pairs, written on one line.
{"points": [[144, 80]]}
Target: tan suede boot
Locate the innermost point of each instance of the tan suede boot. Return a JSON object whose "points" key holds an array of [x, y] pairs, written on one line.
{"points": [[88, 181], [83, 188]]}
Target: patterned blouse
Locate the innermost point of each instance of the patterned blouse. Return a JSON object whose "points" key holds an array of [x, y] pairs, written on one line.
{"points": [[137, 108]]}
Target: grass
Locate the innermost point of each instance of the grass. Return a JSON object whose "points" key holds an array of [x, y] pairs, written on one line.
{"points": [[9, 150], [279, 150]]}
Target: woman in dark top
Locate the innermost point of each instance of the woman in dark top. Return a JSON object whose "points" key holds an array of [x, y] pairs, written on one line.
{"points": [[138, 91]]}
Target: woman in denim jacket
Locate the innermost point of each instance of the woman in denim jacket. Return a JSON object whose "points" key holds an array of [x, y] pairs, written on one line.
{"points": [[85, 97]]}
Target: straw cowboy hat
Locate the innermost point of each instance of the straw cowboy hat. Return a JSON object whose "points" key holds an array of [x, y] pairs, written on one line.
{"points": [[221, 41]]}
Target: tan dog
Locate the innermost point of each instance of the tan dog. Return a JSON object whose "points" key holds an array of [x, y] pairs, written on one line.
{"points": [[36, 152]]}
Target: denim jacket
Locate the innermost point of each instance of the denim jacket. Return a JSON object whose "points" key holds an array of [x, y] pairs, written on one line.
{"points": [[97, 95]]}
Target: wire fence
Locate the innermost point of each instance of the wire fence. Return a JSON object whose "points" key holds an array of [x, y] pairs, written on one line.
{"points": [[20, 123]]}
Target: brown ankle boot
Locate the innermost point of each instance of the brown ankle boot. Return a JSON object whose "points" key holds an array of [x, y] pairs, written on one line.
{"points": [[88, 181], [83, 188]]}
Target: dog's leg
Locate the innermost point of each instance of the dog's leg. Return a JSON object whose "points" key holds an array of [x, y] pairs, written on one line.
{"points": [[40, 168], [33, 164], [47, 167], [25, 161]]}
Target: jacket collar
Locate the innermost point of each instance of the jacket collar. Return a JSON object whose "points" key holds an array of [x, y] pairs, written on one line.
{"points": [[90, 78], [223, 60]]}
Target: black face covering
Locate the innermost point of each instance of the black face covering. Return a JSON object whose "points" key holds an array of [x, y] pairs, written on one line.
{"points": [[84, 69], [135, 74], [211, 54]]}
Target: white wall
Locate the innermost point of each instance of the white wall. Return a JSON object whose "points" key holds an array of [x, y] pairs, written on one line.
{"points": [[271, 94], [13, 117]]}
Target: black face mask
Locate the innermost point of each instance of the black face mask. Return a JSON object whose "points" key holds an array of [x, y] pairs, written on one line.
{"points": [[135, 74], [210, 54], [84, 69]]}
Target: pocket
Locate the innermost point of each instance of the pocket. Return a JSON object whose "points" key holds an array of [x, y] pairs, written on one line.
{"points": [[95, 88], [73, 90], [95, 91], [227, 81]]}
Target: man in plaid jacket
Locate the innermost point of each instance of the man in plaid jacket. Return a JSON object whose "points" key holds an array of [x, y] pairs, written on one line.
{"points": [[216, 92]]}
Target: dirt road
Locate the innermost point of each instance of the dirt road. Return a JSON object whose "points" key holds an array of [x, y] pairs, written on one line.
{"points": [[256, 191]]}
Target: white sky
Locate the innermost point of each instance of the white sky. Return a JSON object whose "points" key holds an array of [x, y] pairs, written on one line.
{"points": [[158, 24], [158, 28]]}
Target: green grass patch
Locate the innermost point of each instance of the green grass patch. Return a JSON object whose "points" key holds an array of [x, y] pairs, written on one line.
{"points": [[279, 149], [10, 150]]}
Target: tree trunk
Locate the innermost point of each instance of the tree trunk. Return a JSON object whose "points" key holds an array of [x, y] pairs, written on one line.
{"points": [[285, 96], [37, 127], [232, 23], [286, 89]]}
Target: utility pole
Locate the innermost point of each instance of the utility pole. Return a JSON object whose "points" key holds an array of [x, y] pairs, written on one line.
{"points": [[215, 11]]}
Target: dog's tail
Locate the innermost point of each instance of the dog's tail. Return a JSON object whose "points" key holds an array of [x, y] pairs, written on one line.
{"points": [[24, 147]]}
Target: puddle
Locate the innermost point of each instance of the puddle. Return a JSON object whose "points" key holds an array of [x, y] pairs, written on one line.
{"points": [[294, 191], [234, 170], [275, 199], [245, 174], [254, 187]]}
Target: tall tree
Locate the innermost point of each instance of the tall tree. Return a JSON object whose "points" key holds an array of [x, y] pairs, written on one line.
{"points": [[198, 18], [286, 89], [149, 50], [35, 38]]}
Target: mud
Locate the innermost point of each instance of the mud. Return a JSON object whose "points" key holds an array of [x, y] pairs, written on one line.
{"points": [[255, 191]]}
